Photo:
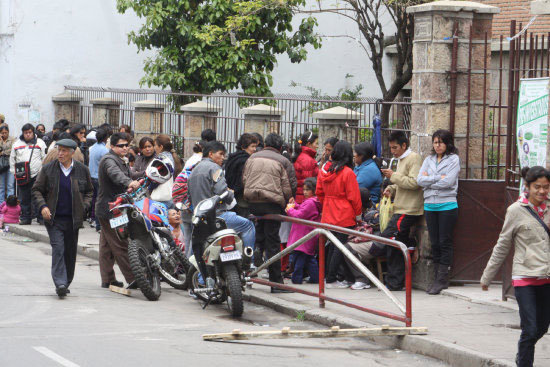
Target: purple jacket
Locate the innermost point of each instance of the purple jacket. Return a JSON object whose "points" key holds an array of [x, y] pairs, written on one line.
{"points": [[309, 209]]}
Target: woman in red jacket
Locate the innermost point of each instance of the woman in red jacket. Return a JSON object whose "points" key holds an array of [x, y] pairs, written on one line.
{"points": [[305, 164], [338, 191]]}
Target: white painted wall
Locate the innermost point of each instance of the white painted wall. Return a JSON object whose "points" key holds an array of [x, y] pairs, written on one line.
{"points": [[45, 45], [49, 44]]}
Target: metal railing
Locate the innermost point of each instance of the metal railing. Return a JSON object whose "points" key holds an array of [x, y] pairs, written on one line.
{"points": [[325, 231]]}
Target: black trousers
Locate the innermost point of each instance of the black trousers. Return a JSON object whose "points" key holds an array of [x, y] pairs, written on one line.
{"points": [[95, 183], [267, 237], [336, 261], [534, 313], [440, 226], [398, 229], [63, 239], [28, 210]]}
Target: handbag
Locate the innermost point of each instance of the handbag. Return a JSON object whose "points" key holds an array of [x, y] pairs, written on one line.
{"points": [[4, 163], [23, 171], [538, 218], [386, 212]]}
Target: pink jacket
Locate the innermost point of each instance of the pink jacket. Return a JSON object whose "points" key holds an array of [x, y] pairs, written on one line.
{"points": [[309, 209], [10, 213]]}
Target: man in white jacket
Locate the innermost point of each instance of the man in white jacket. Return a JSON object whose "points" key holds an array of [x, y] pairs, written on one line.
{"points": [[28, 148]]}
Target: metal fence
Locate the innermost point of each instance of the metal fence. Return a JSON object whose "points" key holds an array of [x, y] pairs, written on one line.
{"points": [[296, 112]]}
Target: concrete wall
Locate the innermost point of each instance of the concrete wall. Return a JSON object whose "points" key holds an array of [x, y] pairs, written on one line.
{"points": [[45, 45]]}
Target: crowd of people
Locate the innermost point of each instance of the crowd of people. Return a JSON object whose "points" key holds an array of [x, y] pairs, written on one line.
{"points": [[69, 175], [343, 186]]}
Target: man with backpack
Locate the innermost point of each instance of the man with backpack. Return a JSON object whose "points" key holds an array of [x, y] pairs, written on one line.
{"points": [[26, 158]]}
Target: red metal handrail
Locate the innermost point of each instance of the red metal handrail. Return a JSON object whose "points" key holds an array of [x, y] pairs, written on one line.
{"points": [[407, 318]]}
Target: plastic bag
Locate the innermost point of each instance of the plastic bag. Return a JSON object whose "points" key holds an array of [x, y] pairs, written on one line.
{"points": [[386, 212]]}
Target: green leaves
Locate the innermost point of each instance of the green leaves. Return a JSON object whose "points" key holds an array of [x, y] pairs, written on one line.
{"points": [[217, 45]]}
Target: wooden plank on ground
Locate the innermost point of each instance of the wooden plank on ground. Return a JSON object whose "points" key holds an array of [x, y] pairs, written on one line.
{"points": [[334, 332], [124, 291]]}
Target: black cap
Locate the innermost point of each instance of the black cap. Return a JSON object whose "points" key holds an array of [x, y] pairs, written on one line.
{"points": [[69, 143]]}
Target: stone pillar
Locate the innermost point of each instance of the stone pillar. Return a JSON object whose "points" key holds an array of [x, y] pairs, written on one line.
{"points": [[337, 122], [431, 80], [197, 116], [262, 119], [105, 110], [148, 119], [67, 106], [431, 89]]}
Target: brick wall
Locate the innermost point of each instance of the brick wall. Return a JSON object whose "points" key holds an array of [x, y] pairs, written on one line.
{"points": [[520, 10]]}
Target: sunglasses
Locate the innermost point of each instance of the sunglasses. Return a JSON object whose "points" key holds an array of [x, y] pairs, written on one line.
{"points": [[122, 145]]}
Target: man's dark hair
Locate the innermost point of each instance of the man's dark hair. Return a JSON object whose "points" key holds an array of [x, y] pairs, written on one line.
{"points": [[60, 125], [399, 137], [245, 140], [208, 135], [63, 135], [27, 127], [214, 147], [274, 141], [101, 135], [108, 128], [116, 137]]}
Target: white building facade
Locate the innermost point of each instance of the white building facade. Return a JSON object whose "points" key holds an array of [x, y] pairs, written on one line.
{"points": [[45, 45]]}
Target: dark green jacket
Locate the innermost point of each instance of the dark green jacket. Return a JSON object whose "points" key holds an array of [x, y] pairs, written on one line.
{"points": [[45, 191]]}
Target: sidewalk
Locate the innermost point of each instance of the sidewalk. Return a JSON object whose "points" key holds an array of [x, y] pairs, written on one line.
{"points": [[467, 327]]}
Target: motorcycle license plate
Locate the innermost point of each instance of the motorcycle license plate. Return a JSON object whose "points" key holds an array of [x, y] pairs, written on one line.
{"points": [[230, 256], [119, 221]]}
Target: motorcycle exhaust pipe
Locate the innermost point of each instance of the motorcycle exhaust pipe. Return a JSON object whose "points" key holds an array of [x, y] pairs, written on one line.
{"points": [[247, 258]]}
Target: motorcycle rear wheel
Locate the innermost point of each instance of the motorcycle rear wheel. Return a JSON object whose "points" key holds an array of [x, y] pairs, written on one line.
{"points": [[147, 279], [177, 278], [235, 290]]}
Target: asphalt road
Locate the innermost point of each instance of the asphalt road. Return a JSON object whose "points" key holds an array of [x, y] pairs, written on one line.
{"points": [[95, 327]]}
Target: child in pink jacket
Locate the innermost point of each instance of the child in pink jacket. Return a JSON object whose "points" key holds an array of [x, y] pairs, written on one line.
{"points": [[304, 255], [9, 211]]}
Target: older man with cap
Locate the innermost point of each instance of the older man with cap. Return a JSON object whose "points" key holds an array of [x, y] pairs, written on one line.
{"points": [[63, 193]]}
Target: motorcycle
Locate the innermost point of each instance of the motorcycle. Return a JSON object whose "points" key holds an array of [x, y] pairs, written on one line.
{"points": [[225, 258], [152, 252]]}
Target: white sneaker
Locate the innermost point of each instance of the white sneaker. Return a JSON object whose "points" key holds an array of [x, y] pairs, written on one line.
{"points": [[360, 285], [337, 284]]}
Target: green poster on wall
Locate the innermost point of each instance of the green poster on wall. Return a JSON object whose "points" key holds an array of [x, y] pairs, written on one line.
{"points": [[532, 122]]}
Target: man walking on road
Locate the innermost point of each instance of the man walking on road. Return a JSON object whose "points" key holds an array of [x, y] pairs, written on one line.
{"points": [[114, 178], [408, 205], [63, 192]]}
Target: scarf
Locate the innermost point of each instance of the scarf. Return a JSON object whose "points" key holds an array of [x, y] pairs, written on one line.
{"points": [[524, 199]]}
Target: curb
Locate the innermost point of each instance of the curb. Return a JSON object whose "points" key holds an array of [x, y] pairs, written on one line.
{"points": [[84, 250], [447, 352], [417, 344]]}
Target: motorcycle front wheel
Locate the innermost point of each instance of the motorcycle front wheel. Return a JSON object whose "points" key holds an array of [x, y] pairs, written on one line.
{"points": [[147, 278], [193, 279], [235, 290]]}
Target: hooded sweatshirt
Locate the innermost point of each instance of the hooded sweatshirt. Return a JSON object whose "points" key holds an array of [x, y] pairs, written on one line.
{"points": [[305, 166], [309, 209], [339, 194]]}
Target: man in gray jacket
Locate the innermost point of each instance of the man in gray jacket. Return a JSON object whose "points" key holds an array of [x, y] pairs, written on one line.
{"points": [[114, 178], [207, 179]]}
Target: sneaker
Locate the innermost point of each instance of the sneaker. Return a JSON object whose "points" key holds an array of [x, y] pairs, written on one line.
{"points": [[338, 284], [360, 285]]}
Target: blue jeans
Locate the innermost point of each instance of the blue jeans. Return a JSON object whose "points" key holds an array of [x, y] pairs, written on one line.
{"points": [[241, 225], [7, 185], [304, 261], [534, 304]]}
